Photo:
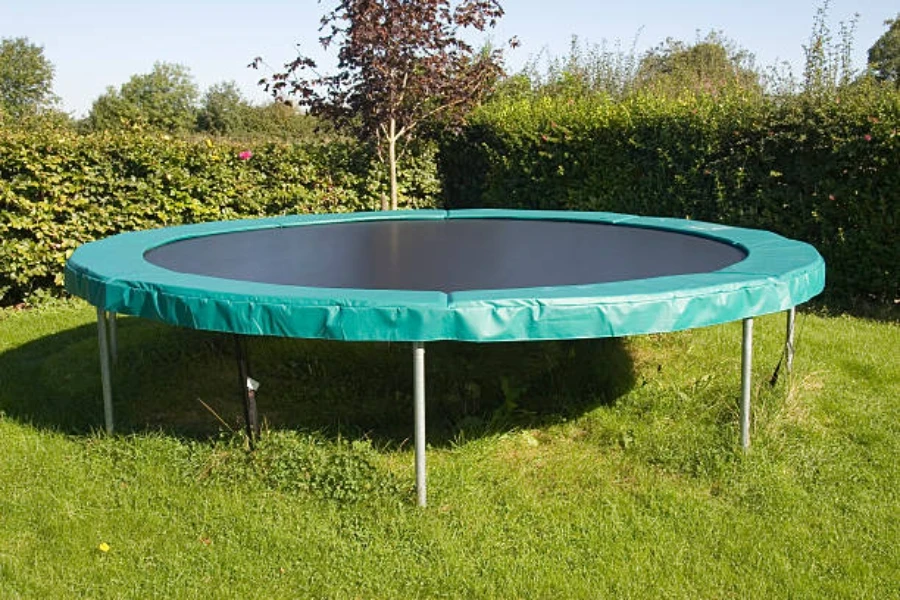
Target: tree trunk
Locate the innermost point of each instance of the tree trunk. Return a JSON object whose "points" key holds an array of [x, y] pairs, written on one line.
{"points": [[392, 159]]}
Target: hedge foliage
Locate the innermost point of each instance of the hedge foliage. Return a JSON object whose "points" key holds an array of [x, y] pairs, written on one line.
{"points": [[59, 189], [826, 171]]}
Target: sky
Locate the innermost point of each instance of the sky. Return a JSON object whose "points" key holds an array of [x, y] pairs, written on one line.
{"points": [[101, 43]]}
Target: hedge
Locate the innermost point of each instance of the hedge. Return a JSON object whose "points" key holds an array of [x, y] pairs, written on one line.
{"points": [[59, 189], [826, 172]]}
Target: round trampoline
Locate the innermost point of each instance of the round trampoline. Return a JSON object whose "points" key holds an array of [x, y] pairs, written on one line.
{"points": [[419, 276]]}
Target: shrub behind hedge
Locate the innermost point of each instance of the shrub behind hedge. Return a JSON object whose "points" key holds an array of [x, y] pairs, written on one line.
{"points": [[826, 172]]}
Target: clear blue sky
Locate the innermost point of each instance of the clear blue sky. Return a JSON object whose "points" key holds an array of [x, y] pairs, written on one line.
{"points": [[94, 44]]}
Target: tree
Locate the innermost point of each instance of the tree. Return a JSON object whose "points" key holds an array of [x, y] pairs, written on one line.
{"points": [[710, 65], [163, 99], [828, 64], [26, 78], [401, 64], [223, 109], [603, 68], [884, 55]]}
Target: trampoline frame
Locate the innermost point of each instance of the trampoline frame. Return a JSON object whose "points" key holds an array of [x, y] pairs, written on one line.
{"points": [[106, 330]]}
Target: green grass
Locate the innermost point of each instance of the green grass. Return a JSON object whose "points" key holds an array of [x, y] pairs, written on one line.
{"points": [[590, 469]]}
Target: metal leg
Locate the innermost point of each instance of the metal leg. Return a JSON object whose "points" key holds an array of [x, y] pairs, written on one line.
{"points": [[789, 339], [248, 391], [419, 401], [746, 378], [113, 337], [102, 336]]}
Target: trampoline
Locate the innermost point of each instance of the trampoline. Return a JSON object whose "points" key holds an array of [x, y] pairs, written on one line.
{"points": [[421, 276]]}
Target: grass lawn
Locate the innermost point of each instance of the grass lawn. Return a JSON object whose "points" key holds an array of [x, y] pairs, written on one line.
{"points": [[602, 468]]}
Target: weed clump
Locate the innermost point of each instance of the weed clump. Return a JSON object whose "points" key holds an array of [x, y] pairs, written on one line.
{"points": [[299, 463]]}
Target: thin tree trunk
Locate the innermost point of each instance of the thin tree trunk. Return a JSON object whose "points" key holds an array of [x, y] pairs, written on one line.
{"points": [[392, 159]]}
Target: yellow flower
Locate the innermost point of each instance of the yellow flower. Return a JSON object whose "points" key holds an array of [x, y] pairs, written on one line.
{"points": [[208, 143], [103, 547]]}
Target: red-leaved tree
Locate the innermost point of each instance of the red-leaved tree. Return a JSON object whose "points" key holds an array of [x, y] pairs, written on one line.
{"points": [[402, 64]]}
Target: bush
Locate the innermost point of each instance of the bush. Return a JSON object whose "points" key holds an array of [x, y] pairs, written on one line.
{"points": [[59, 189], [818, 170]]}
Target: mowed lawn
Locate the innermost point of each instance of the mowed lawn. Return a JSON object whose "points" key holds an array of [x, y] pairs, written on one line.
{"points": [[590, 469]]}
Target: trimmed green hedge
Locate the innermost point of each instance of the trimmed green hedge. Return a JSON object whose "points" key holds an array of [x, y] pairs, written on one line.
{"points": [[827, 172], [59, 189]]}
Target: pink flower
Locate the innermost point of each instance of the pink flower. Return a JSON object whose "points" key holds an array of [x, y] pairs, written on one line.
{"points": [[867, 137], [245, 155]]}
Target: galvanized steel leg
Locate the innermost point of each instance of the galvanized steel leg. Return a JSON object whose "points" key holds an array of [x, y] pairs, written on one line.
{"points": [[419, 401], [746, 378], [113, 337], [789, 339], [248, 392], [102, 336]]}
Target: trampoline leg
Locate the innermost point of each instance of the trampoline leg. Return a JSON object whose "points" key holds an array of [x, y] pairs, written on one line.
{"points": [[746, 378], [419, 401], [103, 338], [789, 339], [113, 337], [248, 391]]}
